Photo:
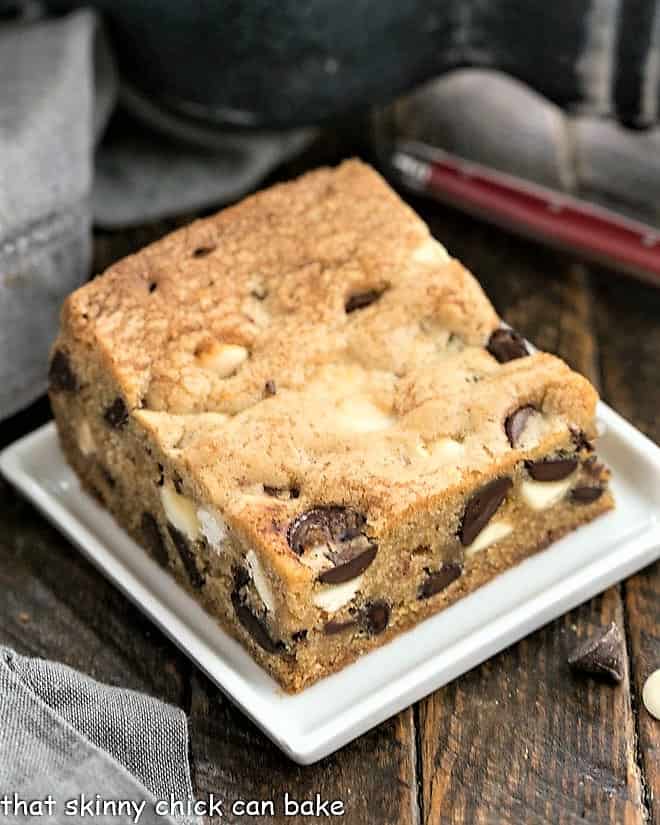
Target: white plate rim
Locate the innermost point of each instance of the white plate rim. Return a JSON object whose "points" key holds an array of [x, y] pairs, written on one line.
{"points": [[629, 556]]}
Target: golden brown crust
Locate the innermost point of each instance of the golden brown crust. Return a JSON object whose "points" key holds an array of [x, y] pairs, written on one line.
{"points": [[311, 346]]}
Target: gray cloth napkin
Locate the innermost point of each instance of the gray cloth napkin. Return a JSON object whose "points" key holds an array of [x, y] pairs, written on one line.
{"points": [[64, 734]]}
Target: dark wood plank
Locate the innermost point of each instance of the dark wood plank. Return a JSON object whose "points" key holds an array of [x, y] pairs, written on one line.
{"points": [[519, 739], [628, 317], [374, 776], [56, 605]]}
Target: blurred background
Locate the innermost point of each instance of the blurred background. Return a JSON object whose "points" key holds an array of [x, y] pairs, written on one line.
{"points": [[120, 120]]}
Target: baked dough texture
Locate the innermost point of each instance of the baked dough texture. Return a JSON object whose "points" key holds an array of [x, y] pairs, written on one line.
{"points": [[312, 416]]}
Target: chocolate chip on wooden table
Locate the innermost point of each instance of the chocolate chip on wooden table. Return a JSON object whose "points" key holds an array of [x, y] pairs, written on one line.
{"points": [[551, 469], [515, 423], [376, 616], [438, 580], [586, 495], [116, 415], [153, 538], [61, 377], [360, 300], [601, 655], [482, 507], [249, 620], [187, 556], [340, 531], [506, 345]]}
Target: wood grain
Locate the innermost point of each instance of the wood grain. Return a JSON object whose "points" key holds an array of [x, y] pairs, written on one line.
{"points": [[374, 776], [628, 318], [56, 605]]}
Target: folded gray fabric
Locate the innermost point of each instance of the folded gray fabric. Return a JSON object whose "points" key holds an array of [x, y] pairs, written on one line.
{"points": [[85, 743]]}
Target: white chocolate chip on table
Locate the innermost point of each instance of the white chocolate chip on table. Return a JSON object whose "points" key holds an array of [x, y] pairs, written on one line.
{"points": [[651, 694]]}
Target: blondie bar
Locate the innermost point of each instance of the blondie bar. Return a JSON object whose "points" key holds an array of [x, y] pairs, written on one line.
{"points": [[312, 416]]}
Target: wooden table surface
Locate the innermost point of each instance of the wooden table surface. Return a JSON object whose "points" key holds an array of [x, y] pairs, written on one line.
{"points": [[517, 740]]}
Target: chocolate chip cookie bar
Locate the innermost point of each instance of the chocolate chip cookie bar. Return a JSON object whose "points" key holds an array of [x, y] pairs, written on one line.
{"points": [[312, 416]]}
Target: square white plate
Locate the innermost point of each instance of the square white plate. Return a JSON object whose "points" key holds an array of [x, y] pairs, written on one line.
{"points": [[329, 714]]}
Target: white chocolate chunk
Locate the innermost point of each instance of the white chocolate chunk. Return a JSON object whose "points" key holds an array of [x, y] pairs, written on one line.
{"points": [[444, 449], [540, 495], [362, 416], [180, 511], [260, 581], [430, 252], [333, 597], [651, 694], [493, 532], [212, 527], [223, 359], [85, 438]]}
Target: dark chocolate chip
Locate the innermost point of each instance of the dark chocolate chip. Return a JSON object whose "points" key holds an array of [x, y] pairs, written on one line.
{"points": [[178, 484], [161, 475], [331, 628], [586, 495], [437, 580], [153, 286], [482, 507], [360, 300], [270, 387], [116, 415], [516, 423], [349, 563], [551, 469], [252, 623], [506, 345], [601, 655], [203, 251], [299, 636], [153, 539], [376, 617], [61, 377], [322, 525], [187, 556]]}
